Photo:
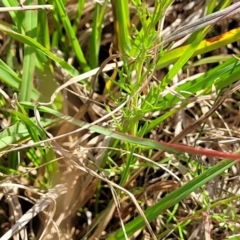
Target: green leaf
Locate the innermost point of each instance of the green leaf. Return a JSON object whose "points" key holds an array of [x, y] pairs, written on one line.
{"points": [[31, 42], [173, 198]]}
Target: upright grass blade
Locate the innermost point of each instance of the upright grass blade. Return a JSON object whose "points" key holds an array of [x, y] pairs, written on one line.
{"points": [[149, 103], [55, 28], [30, 27], [95, 38], [78, 15], [43, 29], [71, 35], [122, 25], [211, 5], [27, 24], [44, 67]]}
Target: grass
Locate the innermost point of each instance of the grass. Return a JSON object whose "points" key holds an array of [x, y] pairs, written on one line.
{"points": [[152, 154]]}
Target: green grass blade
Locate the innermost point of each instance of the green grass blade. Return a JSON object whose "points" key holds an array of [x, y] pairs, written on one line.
{"points": [[71, 35], [78, 14], [220, 76], [18, 133], [172, 199], [204, 47], [122, 25], [36, 134], [31, 42], [9, 77], [183, 59], [17, 16], [43, 29], [132, 139], [95, 38], [29, 54]]}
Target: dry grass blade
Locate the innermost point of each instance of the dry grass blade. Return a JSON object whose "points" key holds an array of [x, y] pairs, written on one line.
{"points": [[83, 109], [207, 226], [44, 202], [79, 78], [106, 129], [15, 208], [75, 161], [196, 124], [26, 8], [202, 22]]}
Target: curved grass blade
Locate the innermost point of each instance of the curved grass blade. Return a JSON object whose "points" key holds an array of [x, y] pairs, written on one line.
{"points": [[31, 42], [8, 76], [203, 47], [135, 140], [17, 16], [18, 133]]}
